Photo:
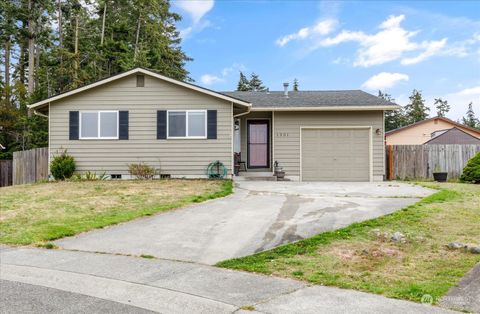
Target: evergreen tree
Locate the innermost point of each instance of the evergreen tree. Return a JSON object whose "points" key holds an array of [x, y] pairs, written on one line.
{"points": [[94, 39], [243, 83], [416, 110], [442, 107], [470, 119], [256, 83], [295, 85], [394, 119]]}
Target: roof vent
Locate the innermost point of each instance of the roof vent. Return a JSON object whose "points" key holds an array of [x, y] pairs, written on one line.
{"points": [[285, 89]]}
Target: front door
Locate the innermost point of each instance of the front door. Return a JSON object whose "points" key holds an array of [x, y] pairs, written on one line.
{"points": [[258, 140]]}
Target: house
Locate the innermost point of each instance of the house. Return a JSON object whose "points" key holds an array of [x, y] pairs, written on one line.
{"points": [[453, 136], [422, 132], [179, 128]]}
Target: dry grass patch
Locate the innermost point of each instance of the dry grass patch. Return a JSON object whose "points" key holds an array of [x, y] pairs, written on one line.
{"points": [[364, 257], [33, 214]]}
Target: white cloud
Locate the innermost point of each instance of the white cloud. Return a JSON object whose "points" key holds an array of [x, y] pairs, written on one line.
{"points": [[473, 91], [210, 79], [390, 43], [324, 27], [431, 48], [384, 80], [196, 9]]}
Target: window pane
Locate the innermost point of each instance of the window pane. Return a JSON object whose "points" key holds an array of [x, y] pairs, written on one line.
{"points": [[89, 124], [196, 124], [177, 123], [108, 124]]}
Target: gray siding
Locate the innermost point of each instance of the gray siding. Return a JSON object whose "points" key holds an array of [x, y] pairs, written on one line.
{"points": [[178, 157], [286, 135]]}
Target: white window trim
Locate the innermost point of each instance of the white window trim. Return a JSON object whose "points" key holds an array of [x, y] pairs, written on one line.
{"points": [[186, 137], [98, 126]]}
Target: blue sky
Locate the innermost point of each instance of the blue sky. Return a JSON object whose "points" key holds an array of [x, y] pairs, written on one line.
{"points": [[433, 46]]}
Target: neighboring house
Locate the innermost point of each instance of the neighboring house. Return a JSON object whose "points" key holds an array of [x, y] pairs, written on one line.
{"points": [[421, 132], [142, 116], [453, 136]]}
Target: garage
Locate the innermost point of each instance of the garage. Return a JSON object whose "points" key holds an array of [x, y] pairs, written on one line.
{"points": [[336, 154]]}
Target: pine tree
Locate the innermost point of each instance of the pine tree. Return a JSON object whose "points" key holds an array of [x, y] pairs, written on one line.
{"points": [[243, 83], [416, 110], [94, 39], [470, 119], [442, 107], [256, 83], [394, 119], [295, 85]]}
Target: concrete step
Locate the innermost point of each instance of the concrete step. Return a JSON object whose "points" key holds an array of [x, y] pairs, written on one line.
{"points": [[255, 178], [255, 174]]}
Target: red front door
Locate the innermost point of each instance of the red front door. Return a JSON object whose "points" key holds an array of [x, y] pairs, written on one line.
{"points": [[258, 143]]}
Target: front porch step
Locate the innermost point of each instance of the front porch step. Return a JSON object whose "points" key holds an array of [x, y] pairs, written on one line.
{"points": [[255, 178], [255, 174]]}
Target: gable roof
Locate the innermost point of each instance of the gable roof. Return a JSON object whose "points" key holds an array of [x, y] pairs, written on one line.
{"points": [[314, 100], [143, 71], [454, 136], [453, 123]]}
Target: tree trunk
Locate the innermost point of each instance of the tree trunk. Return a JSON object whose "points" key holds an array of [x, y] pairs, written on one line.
{"points": [[7, 70], [60, 26], [76, 63], [103, 23], [136, 38], [31, 50]]}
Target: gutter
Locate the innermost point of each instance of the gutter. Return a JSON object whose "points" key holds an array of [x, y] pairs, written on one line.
{"points": [[35, 112], [243, 113]]}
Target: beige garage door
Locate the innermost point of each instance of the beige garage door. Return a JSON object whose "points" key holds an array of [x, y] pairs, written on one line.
{"points": [[335, 155]]}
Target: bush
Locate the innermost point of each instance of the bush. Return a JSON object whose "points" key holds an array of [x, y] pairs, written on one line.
{"points": [[62, 166], [471, 172], [141, 171]]}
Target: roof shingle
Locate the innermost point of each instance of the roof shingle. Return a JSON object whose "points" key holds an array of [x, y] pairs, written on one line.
{"points": [[341, 98]]}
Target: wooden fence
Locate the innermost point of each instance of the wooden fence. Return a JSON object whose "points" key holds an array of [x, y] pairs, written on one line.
{"points": [[419, 161], [5, 172], [30, 166]]}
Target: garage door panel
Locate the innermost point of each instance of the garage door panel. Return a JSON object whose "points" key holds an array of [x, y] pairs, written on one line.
{"points": [[335, 154]]}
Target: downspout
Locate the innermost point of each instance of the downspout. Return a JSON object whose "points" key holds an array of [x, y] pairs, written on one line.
{"points": [[233, 128], [35, 112], [243, 113]]}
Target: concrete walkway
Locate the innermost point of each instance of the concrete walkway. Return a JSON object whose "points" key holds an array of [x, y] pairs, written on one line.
{"points": [[465, 296], [259, 216], [138, 285]]}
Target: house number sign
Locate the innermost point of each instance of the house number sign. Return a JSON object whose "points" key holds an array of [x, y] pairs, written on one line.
{"points": [[282, 134]]}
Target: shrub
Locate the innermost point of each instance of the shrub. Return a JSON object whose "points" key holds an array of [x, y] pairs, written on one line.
{"points": [[141, 171], [471, 172], [62, 166]]}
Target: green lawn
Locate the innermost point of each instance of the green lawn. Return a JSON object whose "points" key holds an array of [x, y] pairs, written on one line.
{"points": [[38, 213], [363, 257]]}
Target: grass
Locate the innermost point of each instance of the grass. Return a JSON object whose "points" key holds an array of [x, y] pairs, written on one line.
{"points": [[363, 257], [39, 213]]}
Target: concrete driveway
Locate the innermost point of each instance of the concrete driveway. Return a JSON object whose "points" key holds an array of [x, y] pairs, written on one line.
{"points": [[259, 216]]}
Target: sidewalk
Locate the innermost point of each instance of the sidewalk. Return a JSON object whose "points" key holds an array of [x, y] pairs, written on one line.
{"points": [[181, 287], [466, 296]]}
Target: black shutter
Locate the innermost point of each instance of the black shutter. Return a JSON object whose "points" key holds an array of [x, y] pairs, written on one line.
{"points": [[161, 124], [73, 125], [123, 125], [212, 124]]}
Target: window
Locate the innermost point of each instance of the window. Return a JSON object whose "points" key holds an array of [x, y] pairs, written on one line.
{"points": [[99, 125], [140, 81], [187, 124]]}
